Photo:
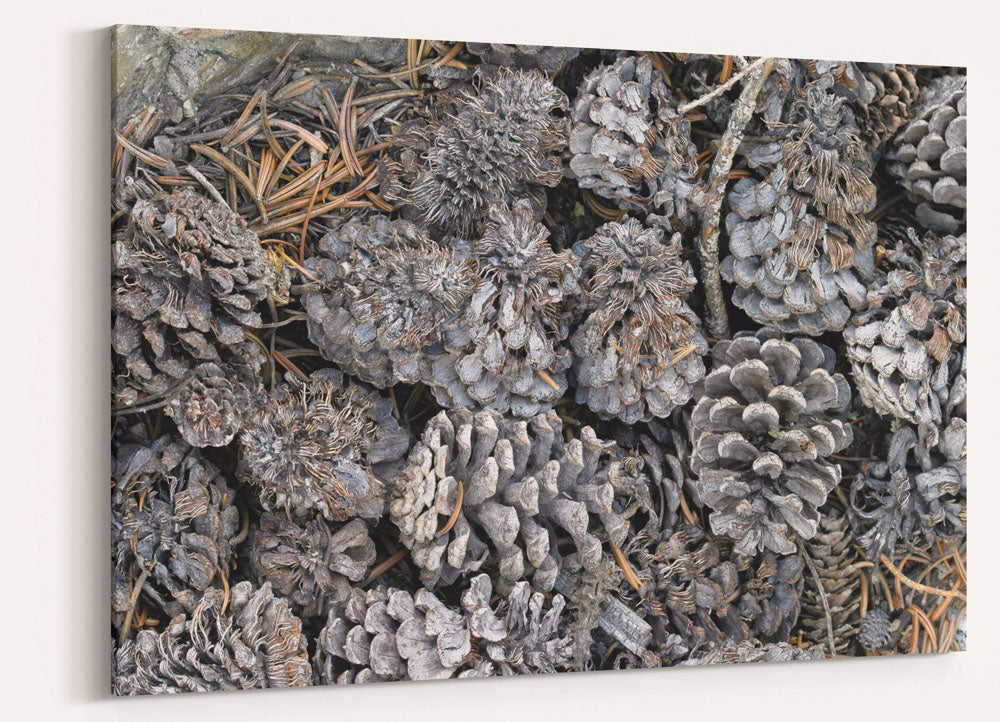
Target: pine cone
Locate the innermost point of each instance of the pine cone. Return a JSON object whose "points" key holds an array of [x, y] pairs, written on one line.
{"points": [[313, 564], [762, 432], [391, 634], [499, 144], [638, 351], [187, 277], [792, 269], [832, 552], [385, 293], [507, 350], [246, 639], [173, 516], [913, 504], [928, 155], [324, 447], [874, 632], [629, 144], [503, 490], [908, 352], [550, 59]]}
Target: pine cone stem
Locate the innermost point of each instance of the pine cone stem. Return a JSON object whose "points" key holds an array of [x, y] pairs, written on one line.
{"points": [[708, 248]]}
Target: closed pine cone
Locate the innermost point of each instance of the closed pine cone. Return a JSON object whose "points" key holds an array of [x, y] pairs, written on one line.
{"points": [[928, 155], [504, 491], [244, 639], [385, 292], [769, 419], [391, 634], [508, 351], [629, 144], [638, 350]]}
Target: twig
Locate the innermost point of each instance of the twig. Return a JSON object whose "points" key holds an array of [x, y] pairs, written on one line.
{"points": [[212, 190], [718, 322], [822, 597], [687, 107]]}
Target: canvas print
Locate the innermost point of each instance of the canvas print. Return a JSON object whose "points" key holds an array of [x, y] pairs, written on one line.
{"points": [[449, 359]]}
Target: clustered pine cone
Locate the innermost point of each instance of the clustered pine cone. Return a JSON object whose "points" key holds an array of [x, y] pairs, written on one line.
{"points": [[392, 634], [628, 142], [770, 417], [638, 351]]}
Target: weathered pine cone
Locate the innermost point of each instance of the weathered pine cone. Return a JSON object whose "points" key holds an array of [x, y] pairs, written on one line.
{"points": [[629, 144], [793, 270], [311, 565], [501, 144], [907, 352], [547, 58], [753, 650], [391, 634], [187, 277], [384, 293], [324, 446], [485, 491], [912, 504], [507, 351], [833, 554], [874, 632], [762, 433], [882, 95], [928, 155], [174, 518], [244, 639], [638, 350]]}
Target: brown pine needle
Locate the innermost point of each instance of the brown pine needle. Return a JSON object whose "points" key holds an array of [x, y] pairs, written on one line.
{"points": [[919, 587], [630, 576], [454, 512], [225, 586], [288, 365], [727, 69], [544, 376], [385, 566], [235, 173]]}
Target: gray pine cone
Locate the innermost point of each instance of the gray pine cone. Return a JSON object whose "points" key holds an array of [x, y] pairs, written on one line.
{"points": [[323, 446], [762, 432], [638, 350], [907, 352], [311, 564], [793, 270], [391, 634], [483, 490], [500, 142], [628, 143], [874, 631], [832, 551], [174, 517], [385, 293], [246, 639], [507, 351], [928, 155], [912, 504], [187, 277]]}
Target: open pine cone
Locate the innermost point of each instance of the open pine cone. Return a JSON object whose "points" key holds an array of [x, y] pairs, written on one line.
{"points": [[323, 446], [391, 634], [929, 155], [638, 350], [762, 432], [486, 490], [501, 144], [174, 517], [911, 503], [187, 277], [311, 564], [243, 639], [628, 143], [384, 293], [908, 352], [547, 58], [507, 350]]}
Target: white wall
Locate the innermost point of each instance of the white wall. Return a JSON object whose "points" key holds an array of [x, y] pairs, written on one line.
{"points": [[54, 94]]}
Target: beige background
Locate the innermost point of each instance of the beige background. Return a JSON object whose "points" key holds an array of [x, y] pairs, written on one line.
{"points": [[54, 647]]}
